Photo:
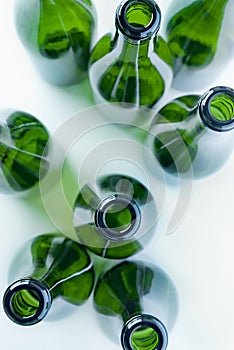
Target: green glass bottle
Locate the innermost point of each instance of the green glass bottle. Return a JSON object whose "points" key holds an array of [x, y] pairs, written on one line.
{"points": [[144, 297], [60, 268], [132, 69], [23, 151], [193, 31], [58, 35], [194, 133], [115, 216]]}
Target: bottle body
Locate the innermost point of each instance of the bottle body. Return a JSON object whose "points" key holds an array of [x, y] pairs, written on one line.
{"points": [[58, 35], [60, 268], [132, 69], [199, 41], [143, 298], [23, 152], [194, 133]]}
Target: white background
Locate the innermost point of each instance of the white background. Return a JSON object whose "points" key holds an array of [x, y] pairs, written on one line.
{"points": [[198, 255]]}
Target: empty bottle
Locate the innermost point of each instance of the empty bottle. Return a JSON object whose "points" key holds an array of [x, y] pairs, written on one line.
{"points": [[194, 132], [60, 268], [23, 151], [58, 35], [144, 298], [133, 68]]}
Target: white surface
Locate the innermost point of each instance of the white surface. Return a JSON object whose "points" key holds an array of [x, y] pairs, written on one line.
{"points": [[198, 255]]}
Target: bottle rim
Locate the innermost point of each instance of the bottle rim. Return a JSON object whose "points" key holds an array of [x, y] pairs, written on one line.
{"points": [[115, 234], [32, 285], [138, 32], [206, 114], [142, 320]]}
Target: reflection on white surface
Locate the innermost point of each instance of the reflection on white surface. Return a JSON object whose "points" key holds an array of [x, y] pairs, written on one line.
{"points": [[198, 255]]}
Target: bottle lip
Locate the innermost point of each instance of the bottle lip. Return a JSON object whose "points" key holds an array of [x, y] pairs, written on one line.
{"points": [[138, 321], [133, 32], [111, 233], [205, 111], [35, 286]]}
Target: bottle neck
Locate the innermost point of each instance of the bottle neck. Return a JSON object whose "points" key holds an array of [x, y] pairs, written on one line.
{"points": [[27, 301], [133, 50], [117, 217], [216, 109], [144, 332], [138, 20]]}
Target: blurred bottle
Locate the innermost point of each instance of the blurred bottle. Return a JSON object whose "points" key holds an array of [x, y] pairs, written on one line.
{"points": [[133, 68], [60, 268], [23, 152], [194, 132], [145, 300], [101, 171], [58, 35], [199, 42]]}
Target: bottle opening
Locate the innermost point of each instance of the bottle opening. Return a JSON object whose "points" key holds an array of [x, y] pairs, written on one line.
{"points": [[117, 217], [222, 107], [26, 301], [144, 332], [138, 14], [138, 19], [217, 108], [145, 338]]}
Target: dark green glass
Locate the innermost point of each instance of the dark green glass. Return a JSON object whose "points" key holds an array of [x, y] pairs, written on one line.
{"points": [[193, 33], [145, 299], [194, 133], [61, 268], [58, 34], [23, 152], [133, 68], [114, 217]]}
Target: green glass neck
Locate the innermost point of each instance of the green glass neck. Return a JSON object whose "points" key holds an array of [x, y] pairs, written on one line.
{"points": [[216, 109], [138, 20], [144, 331], [60, 268], [121, 289], [133, 51], [27, 301], [117, 217]]}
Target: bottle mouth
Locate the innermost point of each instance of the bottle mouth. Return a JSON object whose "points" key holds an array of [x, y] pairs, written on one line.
{"points": [[144, 332], [216, 108], [26, 301], [138, 19], [117, 217]]}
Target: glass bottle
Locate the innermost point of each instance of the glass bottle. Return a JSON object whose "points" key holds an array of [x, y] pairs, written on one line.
{"points": [[101, 171], [132, 69], [58, 35], [194, 132], [23, 151], [145, 300], [195, 37], [60, 268], [114, 216]]}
